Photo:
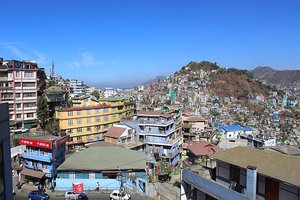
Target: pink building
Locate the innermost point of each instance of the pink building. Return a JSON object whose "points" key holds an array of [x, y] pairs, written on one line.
{"points": [[18, 87]]}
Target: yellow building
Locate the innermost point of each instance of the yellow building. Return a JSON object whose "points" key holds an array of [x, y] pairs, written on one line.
{"points": [[87, 123], [124, 105]]}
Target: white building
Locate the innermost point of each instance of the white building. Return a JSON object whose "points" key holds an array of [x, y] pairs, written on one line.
{"points": [[77, 86]]}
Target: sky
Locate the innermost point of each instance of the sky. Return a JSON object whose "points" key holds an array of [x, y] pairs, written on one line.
{"points": [[118, 43]]}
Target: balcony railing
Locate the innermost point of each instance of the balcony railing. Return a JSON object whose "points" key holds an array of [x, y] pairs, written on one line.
{"points": [[211, 187], [169, 154], [155, 121]]}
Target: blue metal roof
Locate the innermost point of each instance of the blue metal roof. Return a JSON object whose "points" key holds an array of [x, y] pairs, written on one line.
{"points": [[247, 128], [232, 128]]}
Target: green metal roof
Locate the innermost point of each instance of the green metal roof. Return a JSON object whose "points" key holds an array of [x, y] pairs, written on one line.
{"points": [[104, 158], [114, 98]]}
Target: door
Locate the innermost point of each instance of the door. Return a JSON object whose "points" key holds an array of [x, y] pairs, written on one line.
{"points": [[271, 189]]}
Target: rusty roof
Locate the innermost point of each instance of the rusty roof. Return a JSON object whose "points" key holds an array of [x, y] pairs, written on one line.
{"points": [[278, 166], [115, 132], [203, 148]]}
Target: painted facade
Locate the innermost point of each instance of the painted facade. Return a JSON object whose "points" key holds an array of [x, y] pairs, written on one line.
{"points": [[43, 154], [87, 124], [18, 87]]}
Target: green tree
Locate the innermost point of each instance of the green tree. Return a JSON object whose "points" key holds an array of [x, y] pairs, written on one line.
{"points": [[42, 110], [96, 94]]}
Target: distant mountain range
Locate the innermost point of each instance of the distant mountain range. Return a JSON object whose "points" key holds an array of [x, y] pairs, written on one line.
{"points": [[281, 78], [157, 78]]}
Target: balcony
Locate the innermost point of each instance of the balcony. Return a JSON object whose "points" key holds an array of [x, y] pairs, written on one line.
{"points": [[210, 187], [156, 121], [169, 154], [37, 157]]}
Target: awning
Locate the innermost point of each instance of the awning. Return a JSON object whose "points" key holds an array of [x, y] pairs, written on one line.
{"points": [[32, 173]]}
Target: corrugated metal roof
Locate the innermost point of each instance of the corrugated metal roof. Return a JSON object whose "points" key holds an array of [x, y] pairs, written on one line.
{"points": [[104, 158], [281, 167], [115, 132]]}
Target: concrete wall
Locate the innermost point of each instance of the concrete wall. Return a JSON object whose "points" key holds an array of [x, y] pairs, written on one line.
{"points": [[6, 158]]}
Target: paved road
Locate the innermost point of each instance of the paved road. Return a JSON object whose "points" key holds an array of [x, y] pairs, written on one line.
{"points": [[22, 195]]}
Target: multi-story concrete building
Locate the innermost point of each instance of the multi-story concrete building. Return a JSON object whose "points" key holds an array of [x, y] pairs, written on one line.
{"points": [[42, 156], [243, 173], [18, 87], [158, 131], [124, 105], [6, 190], [77, 87], [87, 123]]}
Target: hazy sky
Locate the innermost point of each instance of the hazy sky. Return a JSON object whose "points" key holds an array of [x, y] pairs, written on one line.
{"points": [[121, 43]]}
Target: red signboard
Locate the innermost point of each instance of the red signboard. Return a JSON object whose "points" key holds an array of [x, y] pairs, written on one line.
{"points": [[35, 143], [77, 187], [62, 140]]}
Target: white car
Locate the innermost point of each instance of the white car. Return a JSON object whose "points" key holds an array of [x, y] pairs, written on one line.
{"points": [[115, 195], [71, 195]]}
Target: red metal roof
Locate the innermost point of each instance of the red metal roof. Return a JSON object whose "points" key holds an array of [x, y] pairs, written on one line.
{"points": [[115, 132], [195, 119], [203, 148], [84, 108]]}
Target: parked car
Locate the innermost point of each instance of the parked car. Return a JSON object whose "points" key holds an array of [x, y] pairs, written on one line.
{"points": [[38, 195], [83, 196], [71, 195], [115, 195]]}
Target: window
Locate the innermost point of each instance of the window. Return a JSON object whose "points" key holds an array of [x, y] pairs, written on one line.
{"points": [[88, 137], [88, 120], [88, 128], [114, 117], [71, 175], [28, 74], [70, 131], [79, 112], [18, 74], [28, 84], [105, 118], [31, 94], [105, 126], [91, 175], [29, 115], [44, 153], [79, 130], [79, 121], [18, 95], [97, 128], [19, 116], [97, 111], [18, 105], [79, 138], [70, 113], [70, 122], [106, 110], [97, 119], [17, 84], [88, 112]]}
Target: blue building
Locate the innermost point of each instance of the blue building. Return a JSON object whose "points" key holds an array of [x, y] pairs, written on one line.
{"points": [[160, 135], [42, 156], [104, 165]]}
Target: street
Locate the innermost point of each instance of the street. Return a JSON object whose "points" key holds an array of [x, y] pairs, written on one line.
{"points": [[21, 195]]}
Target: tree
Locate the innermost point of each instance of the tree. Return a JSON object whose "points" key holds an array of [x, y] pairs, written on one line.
{"points": [[42, 110], [96, 94]]}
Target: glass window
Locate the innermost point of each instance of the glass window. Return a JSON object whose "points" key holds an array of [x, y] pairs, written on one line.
{"points": [[79, 112], [97, 119], [97, 111], [79, 121], [106, 110], [70, 122], [88, 128], [70, 113], [79, 130], [88, 112], [88, 120]]}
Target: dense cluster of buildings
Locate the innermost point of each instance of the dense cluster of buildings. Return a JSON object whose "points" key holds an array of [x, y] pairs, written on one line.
{"points": [[225, 150]]}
